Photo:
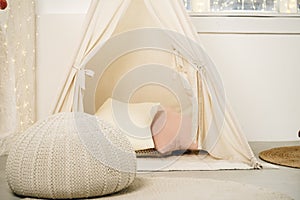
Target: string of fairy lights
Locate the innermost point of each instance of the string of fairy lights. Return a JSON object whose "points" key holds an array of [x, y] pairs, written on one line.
{"points": [[275, 6], [17, 78]]}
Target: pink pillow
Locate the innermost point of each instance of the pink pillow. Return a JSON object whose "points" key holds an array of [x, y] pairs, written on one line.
{"points": [[171, 132]]}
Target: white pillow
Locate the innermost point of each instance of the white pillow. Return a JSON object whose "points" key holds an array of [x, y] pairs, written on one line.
{"points": [[134, 120]]}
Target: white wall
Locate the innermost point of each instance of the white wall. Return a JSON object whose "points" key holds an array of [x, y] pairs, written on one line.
{"points": [[257, 58]]}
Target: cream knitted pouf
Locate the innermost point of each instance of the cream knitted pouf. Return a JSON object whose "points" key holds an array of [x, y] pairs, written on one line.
{"points": [[70, 155]]}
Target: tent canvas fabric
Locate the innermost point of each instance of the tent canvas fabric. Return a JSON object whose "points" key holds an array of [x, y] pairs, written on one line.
{"points": [[149, 51]]}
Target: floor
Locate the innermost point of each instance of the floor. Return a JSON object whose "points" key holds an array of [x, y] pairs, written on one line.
{"points": [[285, 180]]}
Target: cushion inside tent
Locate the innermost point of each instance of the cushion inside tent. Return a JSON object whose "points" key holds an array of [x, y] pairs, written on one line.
{"points": [[140, 77]]}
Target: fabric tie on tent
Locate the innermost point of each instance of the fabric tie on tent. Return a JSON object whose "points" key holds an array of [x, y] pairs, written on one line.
{"points": [[80, 86], [82, 72]]}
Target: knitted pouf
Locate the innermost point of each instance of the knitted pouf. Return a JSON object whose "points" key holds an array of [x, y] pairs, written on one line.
{"points": [[70, 155]]}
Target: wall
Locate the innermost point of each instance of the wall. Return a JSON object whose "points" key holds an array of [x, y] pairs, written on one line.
{"points": [[257, 58]]}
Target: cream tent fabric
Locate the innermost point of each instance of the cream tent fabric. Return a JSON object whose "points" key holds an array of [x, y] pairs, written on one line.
{"points": [[148, 50]]}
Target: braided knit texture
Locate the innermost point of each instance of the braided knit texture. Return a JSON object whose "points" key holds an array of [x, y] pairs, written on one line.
{"points": [[70, 155]]}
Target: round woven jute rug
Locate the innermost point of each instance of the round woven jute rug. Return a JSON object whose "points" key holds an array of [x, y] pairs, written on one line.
{"points": [[285, 156], [190, 188]]}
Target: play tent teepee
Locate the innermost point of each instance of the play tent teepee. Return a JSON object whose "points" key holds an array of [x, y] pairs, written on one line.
{"points": [[125, 44]]}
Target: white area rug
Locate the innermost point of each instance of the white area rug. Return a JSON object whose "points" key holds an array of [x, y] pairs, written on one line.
{"points": [[187, 188], [190, 163]]}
